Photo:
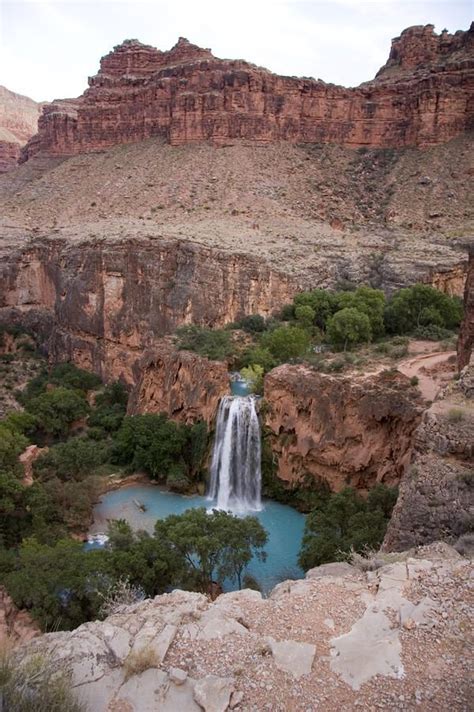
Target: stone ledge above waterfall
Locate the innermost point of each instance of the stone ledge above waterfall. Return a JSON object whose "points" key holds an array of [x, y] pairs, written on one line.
{"points": [[182, 384]]}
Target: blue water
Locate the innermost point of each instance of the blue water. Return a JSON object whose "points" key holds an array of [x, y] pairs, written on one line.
{"points": [[239, 388], [283, 524]]}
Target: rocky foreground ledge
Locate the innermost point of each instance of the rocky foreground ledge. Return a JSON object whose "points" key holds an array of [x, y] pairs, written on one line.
{"points": [[393, 638]]}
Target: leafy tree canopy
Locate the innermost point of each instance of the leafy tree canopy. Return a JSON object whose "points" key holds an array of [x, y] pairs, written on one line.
{"points": [[347, 327]]}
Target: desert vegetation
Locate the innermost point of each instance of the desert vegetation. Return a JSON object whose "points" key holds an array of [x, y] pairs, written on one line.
{"points": [[329, 330]]}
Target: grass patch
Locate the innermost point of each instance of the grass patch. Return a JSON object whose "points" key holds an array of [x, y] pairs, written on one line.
{"points": [[138, 662]]}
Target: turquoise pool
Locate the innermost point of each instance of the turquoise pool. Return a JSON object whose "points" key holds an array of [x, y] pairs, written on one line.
{"points": [[283, 524]]}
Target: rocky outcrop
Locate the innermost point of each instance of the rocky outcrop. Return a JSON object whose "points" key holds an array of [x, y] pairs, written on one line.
{"points": [[16, 626], [421, 98], [465, 344], [182, 384], [436, 498], [18, 123], [393, 638], [340, 431]]}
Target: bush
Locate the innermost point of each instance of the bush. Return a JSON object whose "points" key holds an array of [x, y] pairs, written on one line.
{"points": [[348, 327], [433, 332], [74, 459], [109, 408], [398, 351], [456, 415], [305, 315], [214, 344], [253, 324], [322, 302], [12, 444], [421, 305], [258, 356], [286, 342], [57, 409], [414, 381], [367, 301], [344, 522], [69, 376], [36, 685], [253, 375]]}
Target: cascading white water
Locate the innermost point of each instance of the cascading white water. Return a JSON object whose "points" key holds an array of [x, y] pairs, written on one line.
{"points": [[236, 459]]}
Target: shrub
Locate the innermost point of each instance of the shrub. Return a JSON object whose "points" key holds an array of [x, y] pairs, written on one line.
{"points": [[253, 324], [322, 302], [36, 685], [286, 342], [109, 408], [432, 332], [57, 409], [421, 305], [344, 522], [456, 415], [151, 443], [139, 661], [74, 459], [348, 327], [398, 351], [368, 301], [12, 444], [258, 356], [69, 376], [253, 375], [118, 594], [305, 315], [212, 343], [414, 381]]}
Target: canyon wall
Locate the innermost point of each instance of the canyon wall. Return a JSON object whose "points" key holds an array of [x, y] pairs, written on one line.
{"points": [[18, 123], [342, 431], [422, 97], [466, 333], [102, 304]]}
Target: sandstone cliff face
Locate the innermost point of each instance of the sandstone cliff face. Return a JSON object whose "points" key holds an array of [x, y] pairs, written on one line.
{"points": [[18, 123], [465, 344], [187, 95], [340, 430], [16, 626], [436, 497], [101, 305], [181, 384]]}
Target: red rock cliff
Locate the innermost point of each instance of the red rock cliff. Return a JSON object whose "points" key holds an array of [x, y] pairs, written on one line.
{"points": [[345, 431], [18, 123], [466, 332], [423, 96]]}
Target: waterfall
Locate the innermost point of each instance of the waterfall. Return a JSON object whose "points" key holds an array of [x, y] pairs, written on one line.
{"points": [[235, 469]]}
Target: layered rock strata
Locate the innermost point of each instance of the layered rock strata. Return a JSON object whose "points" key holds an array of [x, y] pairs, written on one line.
{"points": [[465, 344], [423, 96], [181, 384], [18, 123], [393, 638], [102, 304], [341, 431]]}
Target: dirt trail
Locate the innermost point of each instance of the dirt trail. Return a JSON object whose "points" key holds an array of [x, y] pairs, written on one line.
{"points": [[429, 385]]}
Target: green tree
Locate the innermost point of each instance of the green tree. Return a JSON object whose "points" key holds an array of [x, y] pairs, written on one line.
{"points": [[12, 444], [347, 327], [421, 305], [109, 408], [322, 302], [343, 521], [368, 301], [286, 342], [59, 585], [151, 443], [57, 409], [214, 344], [305, 315], [212, 545], [253, 375], [253, 324], [67, 375], [74, 459], [258, 356]]}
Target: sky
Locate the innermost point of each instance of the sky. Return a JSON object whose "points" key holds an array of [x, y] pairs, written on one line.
{"points": [[48, 48]]}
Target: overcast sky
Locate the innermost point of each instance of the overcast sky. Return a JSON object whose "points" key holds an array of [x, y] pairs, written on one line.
{"points": [[48, 48]]}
